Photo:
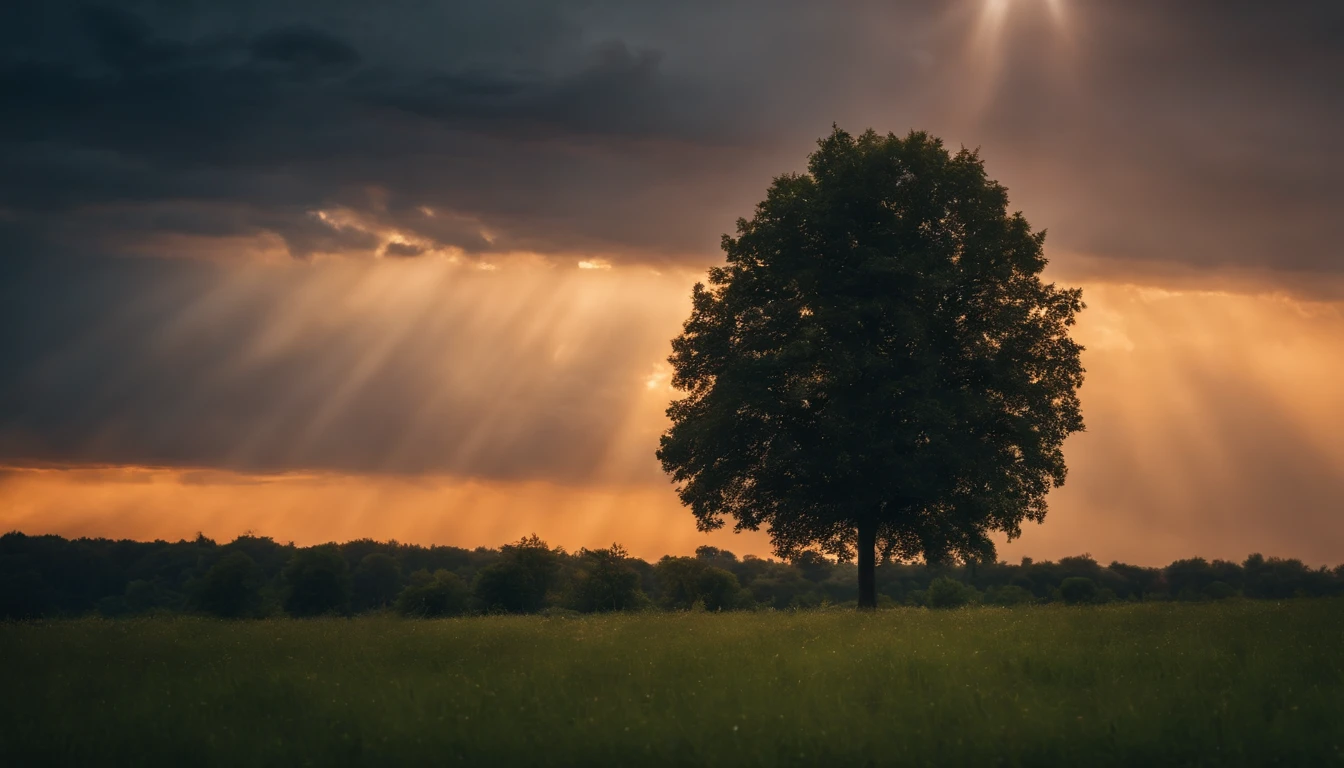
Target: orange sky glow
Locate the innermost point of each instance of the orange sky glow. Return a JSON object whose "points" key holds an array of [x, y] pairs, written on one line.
{"points": [[1204, 410]]}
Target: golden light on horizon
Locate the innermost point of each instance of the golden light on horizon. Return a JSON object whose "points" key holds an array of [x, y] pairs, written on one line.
{"points": [[1205, 410]]}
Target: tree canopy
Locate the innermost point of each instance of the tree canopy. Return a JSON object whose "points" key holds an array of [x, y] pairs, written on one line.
{"points": [[879, 366], [48, 576]]}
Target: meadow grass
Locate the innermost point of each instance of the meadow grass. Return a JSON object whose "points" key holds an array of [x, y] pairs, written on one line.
{"points": [[1234, 683]]}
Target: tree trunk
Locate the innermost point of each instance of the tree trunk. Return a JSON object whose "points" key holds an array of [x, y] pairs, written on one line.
{"points": [[868, 566]]}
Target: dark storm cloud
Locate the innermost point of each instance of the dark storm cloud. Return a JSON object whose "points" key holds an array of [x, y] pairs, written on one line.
{"points": [[1197, 133], [1192, 134], [451, 370], [532, 135], [403, 249], [302, 46]]}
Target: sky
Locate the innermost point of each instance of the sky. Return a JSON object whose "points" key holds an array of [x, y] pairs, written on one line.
{"points": [[332, 270]]}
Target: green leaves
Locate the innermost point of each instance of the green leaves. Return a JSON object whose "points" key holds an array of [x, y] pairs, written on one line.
{"points": [[878, 346]]}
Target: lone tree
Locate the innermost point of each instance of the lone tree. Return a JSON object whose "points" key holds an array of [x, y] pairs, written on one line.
{"points": [[878, 367]]}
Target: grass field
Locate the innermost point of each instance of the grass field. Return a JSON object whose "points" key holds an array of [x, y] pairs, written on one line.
{"points": [[1234, 683]]}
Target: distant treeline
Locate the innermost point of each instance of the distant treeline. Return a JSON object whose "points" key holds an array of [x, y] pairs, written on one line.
{"points": [[254, 576]]}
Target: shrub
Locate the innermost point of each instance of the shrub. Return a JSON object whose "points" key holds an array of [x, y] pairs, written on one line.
{"points": [[1187, 578], [230, 589], [1220, 590], [317, 581], [142, 596], [1191, 595], [442, 593], [841, 586], [1078, 589], [719, 558], [24, 594], [1008, 595], [718, 589], [781, 588], [950, 593], [813, 566], [1276, 578], [506, 586], [685, 582], [605, 581], [376, 581], [520, 580], [677, 581]]}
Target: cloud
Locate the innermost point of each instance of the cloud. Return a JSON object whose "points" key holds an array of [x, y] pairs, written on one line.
{"points": [[372, 403], [1199, 134], [303, 47], [258, 129], [407, 366], [403, 249]]}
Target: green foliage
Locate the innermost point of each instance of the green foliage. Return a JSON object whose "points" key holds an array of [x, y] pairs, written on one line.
{"points": [[780, 586], [144, 596], [231, 588], [718, 590], [442, 593], [521, 579], [506, 587], [605, 581], [1276, 579], [878, 364], [376, 581], [812, 565], [25, 594], [719, 558], [1078, 589], [676, 578], [264, 551], [1187, 578], [950, 593], [48, 576], [317, 581], [685, 583], [1176, 684], [1133, 581], [1008, 595]]}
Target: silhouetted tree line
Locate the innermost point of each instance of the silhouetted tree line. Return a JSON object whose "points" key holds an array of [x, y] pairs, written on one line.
{"points": [[254, 576]]}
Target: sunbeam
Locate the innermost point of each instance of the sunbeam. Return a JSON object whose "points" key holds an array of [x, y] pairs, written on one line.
{"points": [[1007, 36], [431, 401]]}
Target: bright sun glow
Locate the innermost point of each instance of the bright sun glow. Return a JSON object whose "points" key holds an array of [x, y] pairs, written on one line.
{"points": [[994, 13], [1206, 396], [1003, 24]]}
